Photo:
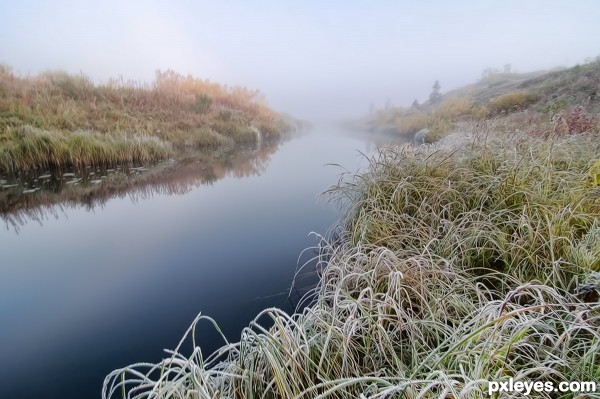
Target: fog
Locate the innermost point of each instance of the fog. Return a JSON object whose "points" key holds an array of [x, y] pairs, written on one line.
{"points": [[311, 59]]}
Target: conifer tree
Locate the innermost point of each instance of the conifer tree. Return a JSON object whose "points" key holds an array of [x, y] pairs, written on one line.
{"points": [[435, 95]]}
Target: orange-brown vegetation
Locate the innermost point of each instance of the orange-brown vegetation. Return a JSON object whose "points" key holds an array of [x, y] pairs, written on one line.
{"points": [[40, 114]]}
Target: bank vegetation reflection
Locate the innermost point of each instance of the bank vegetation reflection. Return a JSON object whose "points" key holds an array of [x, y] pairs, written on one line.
{"points": [[37, 197]]}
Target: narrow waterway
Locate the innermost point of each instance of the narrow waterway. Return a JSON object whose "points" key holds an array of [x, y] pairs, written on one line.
{"points": [[87, 289]]}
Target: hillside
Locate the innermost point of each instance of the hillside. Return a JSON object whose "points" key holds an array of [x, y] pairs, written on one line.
{"points": [[563, 101]]}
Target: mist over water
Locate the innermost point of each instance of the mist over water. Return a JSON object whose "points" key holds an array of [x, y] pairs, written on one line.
{"points": [[313, 60]]}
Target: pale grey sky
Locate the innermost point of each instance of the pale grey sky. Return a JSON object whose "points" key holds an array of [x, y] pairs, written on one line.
{"points": [[330, 58]]}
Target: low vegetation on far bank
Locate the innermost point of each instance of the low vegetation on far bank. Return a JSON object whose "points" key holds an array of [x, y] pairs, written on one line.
{"points": [[457, 264], [56, 119]]}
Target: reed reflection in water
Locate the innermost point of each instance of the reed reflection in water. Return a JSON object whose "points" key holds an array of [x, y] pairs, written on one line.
{"points": [[36, 197]]}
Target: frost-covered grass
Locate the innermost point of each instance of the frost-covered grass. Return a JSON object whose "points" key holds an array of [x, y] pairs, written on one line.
{"points": [[456, 266]]}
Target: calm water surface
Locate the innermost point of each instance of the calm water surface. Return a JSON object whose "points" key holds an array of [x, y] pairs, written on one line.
{"points": [[88, 290]]}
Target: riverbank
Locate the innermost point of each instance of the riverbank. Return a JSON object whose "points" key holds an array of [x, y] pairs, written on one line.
{"points": [[459, 263], [59, 120], [541, 103]]}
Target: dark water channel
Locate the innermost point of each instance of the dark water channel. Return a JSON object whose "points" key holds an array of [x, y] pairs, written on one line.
{"points": [[90, 282]]}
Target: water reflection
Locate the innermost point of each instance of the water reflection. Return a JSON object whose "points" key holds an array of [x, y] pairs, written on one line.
{"points": [[100, 289], [36, 197]]}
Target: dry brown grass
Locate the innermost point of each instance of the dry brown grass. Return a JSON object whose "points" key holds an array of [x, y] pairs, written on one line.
{"points": [[438, 120], [510, 102], [180, 110]]}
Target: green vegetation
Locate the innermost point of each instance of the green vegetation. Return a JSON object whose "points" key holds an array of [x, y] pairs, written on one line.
{"points": [[56, 119], [26, 148], [511, 204], [457, 264]]}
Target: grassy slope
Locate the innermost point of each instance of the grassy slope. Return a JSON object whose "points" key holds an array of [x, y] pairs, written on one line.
{"points": [[545, 100], [56, 119], [458, 263]]}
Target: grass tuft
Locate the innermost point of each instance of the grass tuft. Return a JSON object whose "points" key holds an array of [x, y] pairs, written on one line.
{"points": [[26, 148]]}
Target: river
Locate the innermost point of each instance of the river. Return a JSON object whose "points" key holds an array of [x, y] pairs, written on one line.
{"points": [[87, 287]]}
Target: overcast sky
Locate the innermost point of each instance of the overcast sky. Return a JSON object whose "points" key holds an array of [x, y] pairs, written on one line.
{"points": [[329, 57]]}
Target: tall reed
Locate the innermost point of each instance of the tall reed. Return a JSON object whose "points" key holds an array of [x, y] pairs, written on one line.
{"points": [[27, 148]]}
